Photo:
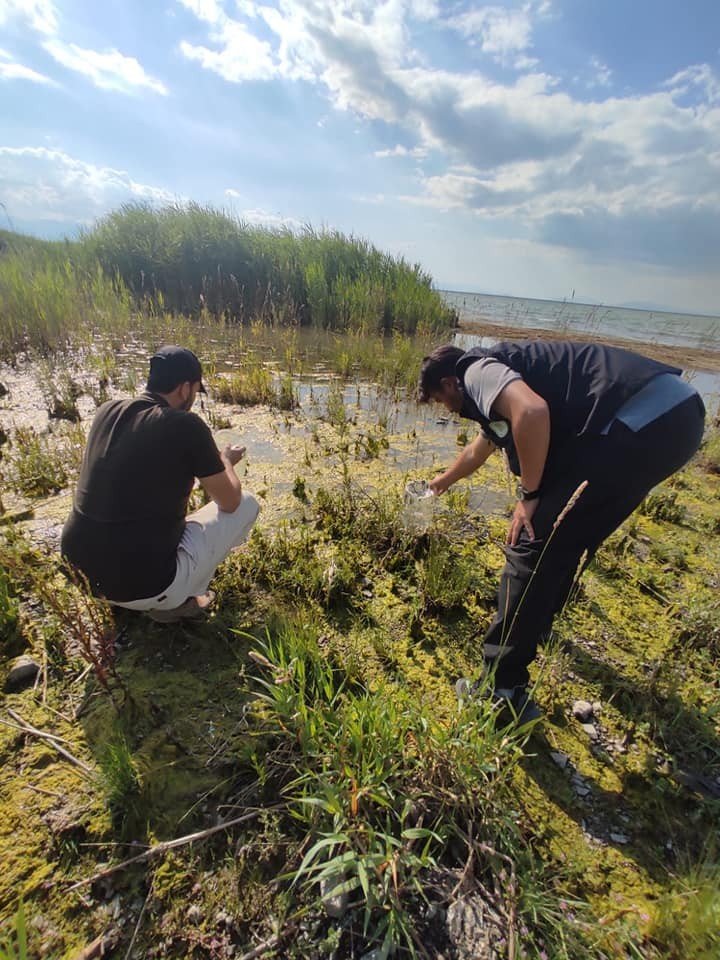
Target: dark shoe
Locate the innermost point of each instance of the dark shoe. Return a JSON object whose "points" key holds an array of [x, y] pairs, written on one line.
{"points": [[513, 704], [516, 704], [190, 610]]}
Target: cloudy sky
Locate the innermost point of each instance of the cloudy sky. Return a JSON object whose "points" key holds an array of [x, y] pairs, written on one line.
{"points": [[528, 147]]}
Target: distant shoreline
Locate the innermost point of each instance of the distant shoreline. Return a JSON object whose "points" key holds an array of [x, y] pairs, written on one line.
{"points": [[692, 314], [692, 358]]}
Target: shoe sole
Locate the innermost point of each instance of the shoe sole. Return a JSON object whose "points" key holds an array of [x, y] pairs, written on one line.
{"points": [[186, 611]]}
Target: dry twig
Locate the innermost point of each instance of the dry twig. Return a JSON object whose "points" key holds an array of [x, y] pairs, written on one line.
{"points": [[50, 739], [163, 847]]}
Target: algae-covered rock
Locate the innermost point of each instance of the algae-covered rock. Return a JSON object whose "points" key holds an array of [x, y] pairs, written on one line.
{"points": [[470, 931], [22, 673]]}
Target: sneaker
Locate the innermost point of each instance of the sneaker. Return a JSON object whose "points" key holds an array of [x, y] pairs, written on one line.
{"points": [[513, 703], [190, 610]]}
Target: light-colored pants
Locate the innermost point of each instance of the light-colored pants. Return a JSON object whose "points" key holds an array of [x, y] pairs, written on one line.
{"points": [[209, 536]]}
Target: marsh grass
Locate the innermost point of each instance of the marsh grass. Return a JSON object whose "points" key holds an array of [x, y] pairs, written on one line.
{"points": [[139, 267], [122, 785], [383, 789], [74, 624], [48, 302], [34, 467], [41, 464], [662, 504], [61, 394], [191, 258], [248, 387], [687, 921], [14, 942]]}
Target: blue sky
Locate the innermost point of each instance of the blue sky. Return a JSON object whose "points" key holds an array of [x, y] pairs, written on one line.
{"points": [[528, 148]]}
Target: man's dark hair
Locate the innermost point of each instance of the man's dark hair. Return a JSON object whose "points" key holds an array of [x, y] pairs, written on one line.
{"points": [[170, 367], [435, 367]]}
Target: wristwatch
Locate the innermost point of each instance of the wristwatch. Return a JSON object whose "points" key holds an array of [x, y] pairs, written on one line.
{"points": [[525, 494]]}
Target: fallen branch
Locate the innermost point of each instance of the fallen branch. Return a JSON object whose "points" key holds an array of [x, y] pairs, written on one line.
{"points": [[263, 947], [272, 941], [163, 847], [52, 740], [100, 947]]}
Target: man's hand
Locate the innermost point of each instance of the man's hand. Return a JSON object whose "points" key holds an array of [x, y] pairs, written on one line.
{"points": [[522, 520], [439, 484], [234, 453]]}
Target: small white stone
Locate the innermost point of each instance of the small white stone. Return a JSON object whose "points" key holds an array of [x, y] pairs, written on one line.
{"points": [[335, 906], [619, 838], [591, 730], [582, 711]]}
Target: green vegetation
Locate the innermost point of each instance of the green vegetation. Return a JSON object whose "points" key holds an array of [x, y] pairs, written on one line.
{"points": [[140, 263], [40, 464], [122, 786], [14, 944], [49, 300], [189, 258], [325, 706]]}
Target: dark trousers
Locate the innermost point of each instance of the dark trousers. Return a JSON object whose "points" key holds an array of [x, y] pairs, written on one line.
{"points": [[620, 468]]}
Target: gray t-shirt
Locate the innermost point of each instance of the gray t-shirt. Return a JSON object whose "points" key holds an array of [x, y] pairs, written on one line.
{"points": [[484, 382]]}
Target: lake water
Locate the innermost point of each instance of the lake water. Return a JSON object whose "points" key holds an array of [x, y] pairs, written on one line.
{"points": [[566, 317]]}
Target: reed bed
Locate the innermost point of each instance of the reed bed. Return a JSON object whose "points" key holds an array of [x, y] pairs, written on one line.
{"points": [[199, 265]]}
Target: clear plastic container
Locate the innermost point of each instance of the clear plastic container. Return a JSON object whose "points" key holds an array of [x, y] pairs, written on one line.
{"points": [[419, 506]]}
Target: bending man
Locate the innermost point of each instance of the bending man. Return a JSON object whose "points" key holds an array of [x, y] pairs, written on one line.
{"points": [[564, 413], [128, 532]]}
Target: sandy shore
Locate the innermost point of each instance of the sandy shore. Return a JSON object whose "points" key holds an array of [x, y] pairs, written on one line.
{"points": [[696, 358]]}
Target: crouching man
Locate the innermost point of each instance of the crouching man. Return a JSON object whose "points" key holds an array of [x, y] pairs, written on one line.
{"points": [[128, 532], [572, 418]]}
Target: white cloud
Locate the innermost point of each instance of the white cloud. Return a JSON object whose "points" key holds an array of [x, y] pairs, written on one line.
{"points": [[39, 15], [496, 30], [10, 69], [400, 151], [700, 76], [109, 69], [232, 193], [41, 183], [526, 151], [602, 75], [262, 218], [243, 56]]}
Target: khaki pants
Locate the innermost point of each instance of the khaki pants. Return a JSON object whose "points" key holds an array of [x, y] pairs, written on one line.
{"points": [[209, 536]]}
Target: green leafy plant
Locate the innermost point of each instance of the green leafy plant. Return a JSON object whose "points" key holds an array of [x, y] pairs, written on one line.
{"points": [[377, 782], [122, 785], [14, 944], [34, 467]]}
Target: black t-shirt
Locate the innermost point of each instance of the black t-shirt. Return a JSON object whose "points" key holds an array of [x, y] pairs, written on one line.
{"points": [[141, 459]]}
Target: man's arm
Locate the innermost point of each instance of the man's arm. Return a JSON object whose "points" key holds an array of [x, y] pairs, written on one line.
{"points": [[225, 488], [473, 456], [529, 418]]}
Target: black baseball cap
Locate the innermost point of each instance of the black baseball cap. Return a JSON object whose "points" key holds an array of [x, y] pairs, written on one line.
{"points": [[171, 366]]}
